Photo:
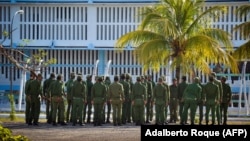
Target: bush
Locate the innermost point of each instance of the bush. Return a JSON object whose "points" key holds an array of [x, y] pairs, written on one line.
{"points": [[6, 135]]}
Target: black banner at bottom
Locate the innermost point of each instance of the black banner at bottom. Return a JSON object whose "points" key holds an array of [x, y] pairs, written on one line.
{"points": [[203, 132]]}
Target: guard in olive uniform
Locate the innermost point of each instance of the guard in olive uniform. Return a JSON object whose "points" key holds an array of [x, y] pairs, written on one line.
{"points": [[211, 91], [78, 94], [57, 93], [217, 108], [151, 114], [69, 85], [28, 100], [116, 98], [201, 104], [191, 96], [139, 99], [181, 87], [150, 91], [168, 98], [173, 103], [160, 99], [126, 88], [107, 82], [47, 96], [226, 99], [35, 90], [88, 102], [128, 99], [98, 99]]}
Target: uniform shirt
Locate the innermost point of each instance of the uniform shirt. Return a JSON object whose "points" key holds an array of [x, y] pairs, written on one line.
{"points": [[149, 89], [227, 93], [27, 92], [192, 92], [217, 82], [181, 88], [139, 91], [211, 91], [98, 91], [167, 90], [69, 85], [173, 91], [126, 88], [116, 91], [35, 88], [160, 95], [46, 84], [79, 89], [56, 88]]}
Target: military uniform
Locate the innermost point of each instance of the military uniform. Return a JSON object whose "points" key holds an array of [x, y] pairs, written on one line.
{"points": [[149, 110], [139, 98], [128, 101], [226, 98], [116, 98], [69, 85], [211, 91], [98, 98], [217, 111], [28, 100], [191, 96], [201, 104], [181, 87], [78, 93], [160, 99], [35, 90], [107, 82], [58, 106], [168, 98], [173, 102], [47, 96], [125, 105], [88, 102]]}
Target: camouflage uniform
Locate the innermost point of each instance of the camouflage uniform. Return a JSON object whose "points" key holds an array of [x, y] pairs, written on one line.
{"points": [[88, 102]]}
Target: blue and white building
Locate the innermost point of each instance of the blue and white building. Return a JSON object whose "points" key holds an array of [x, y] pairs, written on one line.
{"points": [[79, 32]]}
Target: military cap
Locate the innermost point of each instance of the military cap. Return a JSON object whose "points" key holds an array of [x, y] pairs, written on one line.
{"points": [[196, 79], [79, 77], [138, 78], [160, 79], [163, 78], [52, 75], [224, 78], [127, 76], [174, 79], [72, 74], [213, 74], [142, 77], [100, 78]]}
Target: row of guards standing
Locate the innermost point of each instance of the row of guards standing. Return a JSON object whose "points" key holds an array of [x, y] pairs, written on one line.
{"points": [[129, 101]]}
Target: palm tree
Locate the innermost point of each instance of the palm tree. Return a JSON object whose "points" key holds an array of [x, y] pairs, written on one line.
{"points": [[178, 33], [243, 51]]}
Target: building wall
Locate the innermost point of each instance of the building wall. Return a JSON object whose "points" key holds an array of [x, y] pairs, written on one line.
{"points": [[79, 34]]}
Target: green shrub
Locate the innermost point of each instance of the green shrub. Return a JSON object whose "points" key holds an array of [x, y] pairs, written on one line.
{"points": [[6, 135]]}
